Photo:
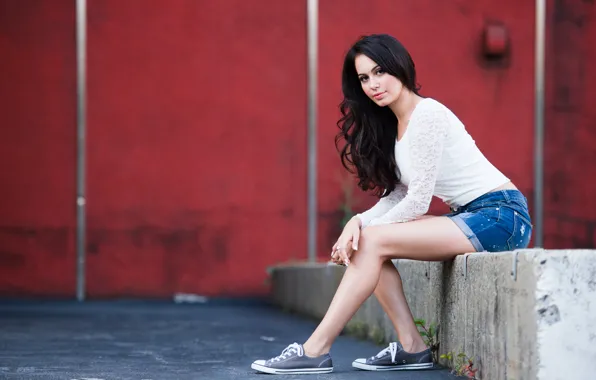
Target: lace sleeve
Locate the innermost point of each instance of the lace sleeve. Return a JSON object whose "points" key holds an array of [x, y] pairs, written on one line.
{"points": [[383, 205], [426, 142]]}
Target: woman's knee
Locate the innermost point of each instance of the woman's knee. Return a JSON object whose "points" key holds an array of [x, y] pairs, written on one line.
{"points": [[371, 242]]}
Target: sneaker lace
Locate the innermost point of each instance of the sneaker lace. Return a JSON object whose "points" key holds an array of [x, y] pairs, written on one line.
{"points": [[392, 348], [288, 351]]}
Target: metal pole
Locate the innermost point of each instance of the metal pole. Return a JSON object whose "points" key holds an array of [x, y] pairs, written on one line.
{"points": [[539, 123], [81, 34], [312, 41]]}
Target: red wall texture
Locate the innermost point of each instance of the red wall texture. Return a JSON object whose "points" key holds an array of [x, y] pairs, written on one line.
{"points": [[196, 145], [197, 132], [570, 156], [37, 147]]}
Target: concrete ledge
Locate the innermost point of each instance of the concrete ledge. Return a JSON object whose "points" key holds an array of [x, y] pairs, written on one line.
{"points": [[528, 314]]}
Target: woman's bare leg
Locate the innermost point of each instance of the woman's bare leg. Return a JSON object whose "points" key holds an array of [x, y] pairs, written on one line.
{"points": [[390, 293], [391, 296], [432, 239]]}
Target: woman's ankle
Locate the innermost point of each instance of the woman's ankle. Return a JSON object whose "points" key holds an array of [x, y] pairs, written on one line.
{"points": [[413, 346], [313, 350]]}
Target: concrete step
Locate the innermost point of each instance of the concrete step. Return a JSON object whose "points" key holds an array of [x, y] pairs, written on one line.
{"points": [[527, 314]]}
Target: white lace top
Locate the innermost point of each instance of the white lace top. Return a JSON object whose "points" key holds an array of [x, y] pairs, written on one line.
{"points": [[436, 157]]}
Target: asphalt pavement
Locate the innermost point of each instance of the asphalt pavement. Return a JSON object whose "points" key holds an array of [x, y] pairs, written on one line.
{"points": [[139, 340]]}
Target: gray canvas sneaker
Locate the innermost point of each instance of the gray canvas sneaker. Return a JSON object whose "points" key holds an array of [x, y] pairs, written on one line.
{"points": [[293, 361], [394, 358]]}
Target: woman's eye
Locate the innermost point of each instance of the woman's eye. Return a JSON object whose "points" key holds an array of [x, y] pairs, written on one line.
{"points": [[380, 71], [363, 79]]}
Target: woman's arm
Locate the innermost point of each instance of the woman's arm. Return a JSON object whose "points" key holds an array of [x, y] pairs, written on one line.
{"points": [[383, 205], [427, 138]]}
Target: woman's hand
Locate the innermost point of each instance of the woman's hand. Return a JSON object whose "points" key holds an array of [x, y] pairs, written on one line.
{"points": [[347, 242]]}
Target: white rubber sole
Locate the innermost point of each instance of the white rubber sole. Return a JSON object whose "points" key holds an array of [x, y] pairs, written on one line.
{"points": [[361, 364], [303, 371]]}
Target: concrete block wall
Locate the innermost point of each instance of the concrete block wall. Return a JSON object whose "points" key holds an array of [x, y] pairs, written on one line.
{"points": [[528, 314]]}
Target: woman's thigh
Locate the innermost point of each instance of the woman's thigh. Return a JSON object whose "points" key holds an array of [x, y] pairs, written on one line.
{"points": [[430, 238]]}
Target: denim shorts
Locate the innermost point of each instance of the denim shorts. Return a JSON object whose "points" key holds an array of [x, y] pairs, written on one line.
{"points": [[496, 221]]}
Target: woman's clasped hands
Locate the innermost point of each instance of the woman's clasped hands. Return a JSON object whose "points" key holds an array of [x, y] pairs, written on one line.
{"points": [[347, 243]]}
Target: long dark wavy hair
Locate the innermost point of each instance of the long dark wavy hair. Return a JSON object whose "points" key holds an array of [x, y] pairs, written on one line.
{"points": [[369, 131]]}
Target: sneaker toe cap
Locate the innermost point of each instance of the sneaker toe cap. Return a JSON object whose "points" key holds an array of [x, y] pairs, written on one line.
{"points": [[259, 362], [360, 360]]}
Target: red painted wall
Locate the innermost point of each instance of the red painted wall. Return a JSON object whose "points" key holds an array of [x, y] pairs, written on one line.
{"points": [[37, 148], [570, 156], [196, 145], [197, 132]]}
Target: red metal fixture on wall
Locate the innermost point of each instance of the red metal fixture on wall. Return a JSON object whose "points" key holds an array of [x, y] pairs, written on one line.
{"points": [[495, 41]]}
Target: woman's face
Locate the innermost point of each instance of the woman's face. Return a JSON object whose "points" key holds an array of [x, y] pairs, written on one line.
{"points": [[381, 87]]}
